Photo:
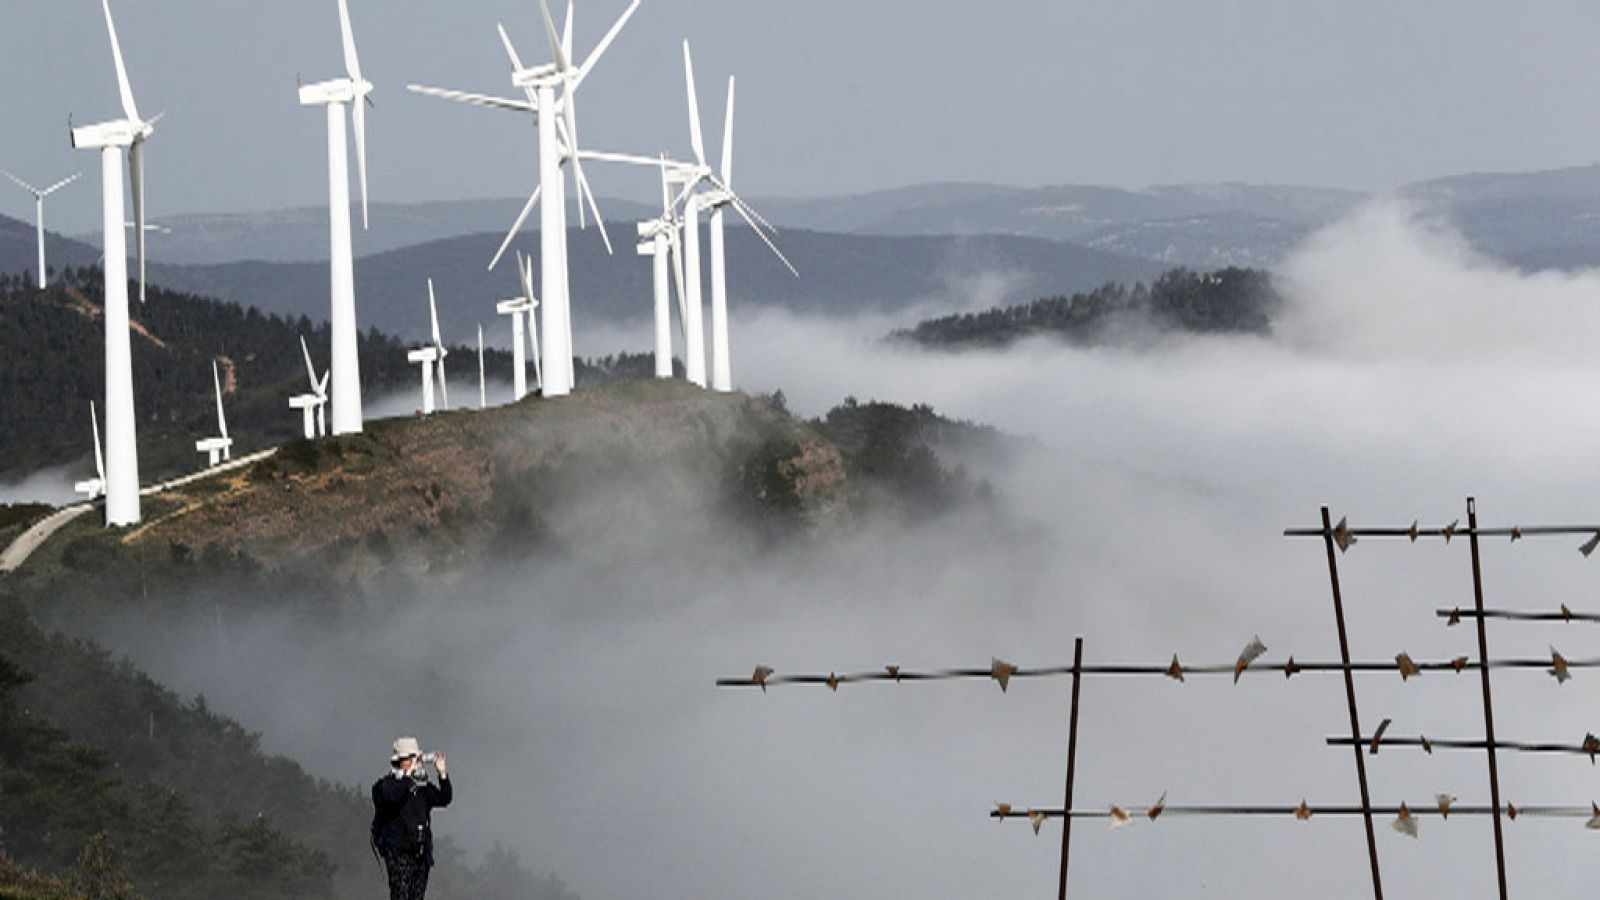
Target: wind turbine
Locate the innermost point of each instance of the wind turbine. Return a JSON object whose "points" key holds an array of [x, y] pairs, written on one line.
{"points": [[716, 199], [38, 212], [94, 487], [218, 448], [660, 240], [313, 406], [336, 94], [516, 308], [131, 132], [431, 356], [558, 144]]}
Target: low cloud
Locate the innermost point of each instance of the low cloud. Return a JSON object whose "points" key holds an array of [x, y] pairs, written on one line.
{"points": [[576, 694]]}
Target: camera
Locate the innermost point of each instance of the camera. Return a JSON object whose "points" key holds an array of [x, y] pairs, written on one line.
{"points": [[427, 758]]}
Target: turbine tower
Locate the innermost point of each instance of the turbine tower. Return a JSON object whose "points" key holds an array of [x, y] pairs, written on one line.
{"points": [[716, 199], [313, 406], [94, 488], [217, 448], [38, 212], [110, 138], [431, 357], [483, 387], [558, 144], [336, 95]]}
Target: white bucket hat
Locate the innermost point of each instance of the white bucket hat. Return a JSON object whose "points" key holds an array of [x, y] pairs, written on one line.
{"points": [[404, 747]]}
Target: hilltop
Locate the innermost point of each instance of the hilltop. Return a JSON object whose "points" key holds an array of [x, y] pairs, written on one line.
{"points": [[423, 496], [362, 525]]}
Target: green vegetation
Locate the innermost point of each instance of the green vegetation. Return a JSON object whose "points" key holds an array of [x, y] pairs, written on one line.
{"points": [[911, 459], [52, 364], [1229, 301], [109, 782]]}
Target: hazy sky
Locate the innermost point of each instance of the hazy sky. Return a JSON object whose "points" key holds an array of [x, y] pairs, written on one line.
{"points": [[833, 96]]}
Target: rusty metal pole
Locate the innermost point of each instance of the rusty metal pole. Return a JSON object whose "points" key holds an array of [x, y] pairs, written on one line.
{"points": [[1350, 696], [1488, 707], [1072, 765]]}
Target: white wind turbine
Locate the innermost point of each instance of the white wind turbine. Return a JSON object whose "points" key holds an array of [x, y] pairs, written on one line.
{"points": [[131, 132], [719, 196], [336, 94], [217, 448], [313, 406], [94, 488], [38, 212], [431, 357], [558, 144], [516, 308], [483, 387], [660, 240]]}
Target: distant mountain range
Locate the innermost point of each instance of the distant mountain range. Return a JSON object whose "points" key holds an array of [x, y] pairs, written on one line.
{"points": [[953, 247], [843, 274]]}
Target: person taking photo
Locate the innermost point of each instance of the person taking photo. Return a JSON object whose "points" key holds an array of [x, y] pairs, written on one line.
{"points": [[402, 817]]}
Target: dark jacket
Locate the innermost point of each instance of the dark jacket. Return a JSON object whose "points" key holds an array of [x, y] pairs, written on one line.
{"points": [[402, 814]]}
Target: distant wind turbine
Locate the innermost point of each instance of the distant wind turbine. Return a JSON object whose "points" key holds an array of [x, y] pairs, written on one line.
{"points": [[94, 488], [336, 95], [720, 195], [131, 132], [313, 406], [217, 448], [558, 144], [38, 212], [431, 357], [516, 308], [661, 241]]}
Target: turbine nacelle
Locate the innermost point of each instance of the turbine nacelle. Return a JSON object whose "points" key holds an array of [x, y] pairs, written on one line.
{"points": [[120, 133], [337, 90], [537, 76], [515, 306]]}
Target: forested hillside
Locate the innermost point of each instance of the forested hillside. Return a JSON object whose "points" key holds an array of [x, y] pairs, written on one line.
{"points": [[1228, 301], [52, 364], [173, 799]]}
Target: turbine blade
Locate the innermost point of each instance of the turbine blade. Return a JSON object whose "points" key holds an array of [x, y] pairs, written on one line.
{"points": [[516, 227], [677, 265], [511, 51], [433, 316], [566, 33], [766, 240], [567, 130], [136, 165], [352, 64], [555, 39], [474, 99], [749, 211], [129, 108], [311, 371], [360, 113], [59, 185], [727, 139], [533, 335], [99, 457], [525, 271], [322, 386], [23, 184], [605, 42], [588, 194], [666, 199], [694, 107], [216, 379]]}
